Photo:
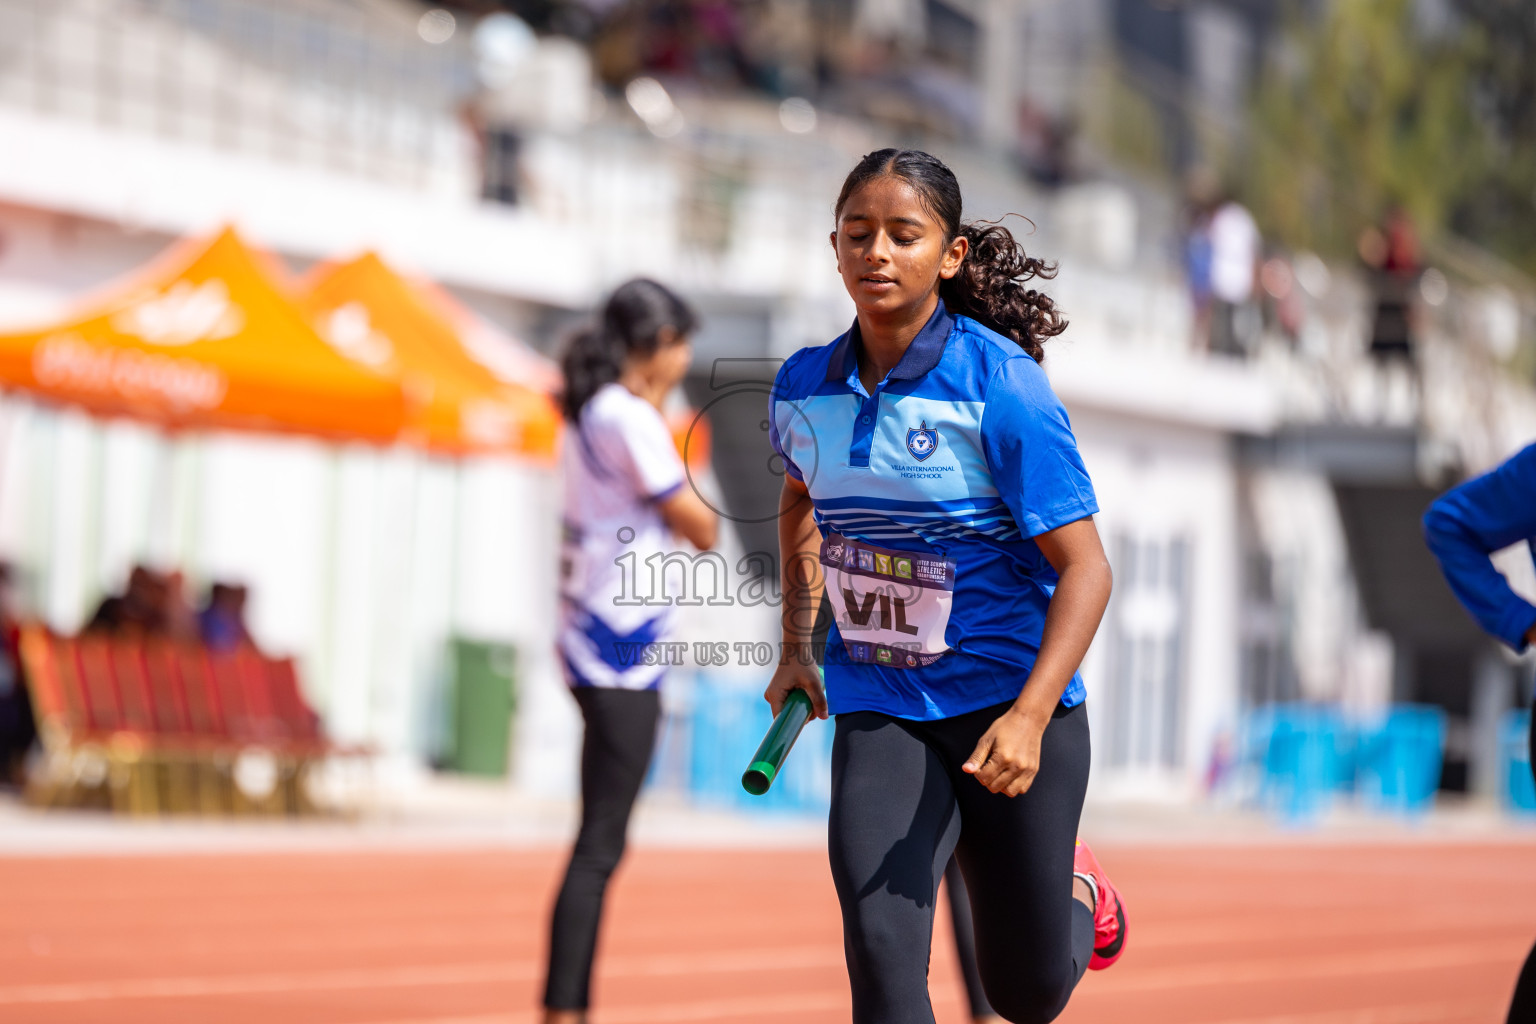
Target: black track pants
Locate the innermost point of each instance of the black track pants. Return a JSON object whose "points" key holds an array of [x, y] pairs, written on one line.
{"points": [[965, 940], [900, 807], [615, 752]]}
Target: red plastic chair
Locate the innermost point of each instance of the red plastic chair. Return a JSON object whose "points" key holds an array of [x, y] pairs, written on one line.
{"points": [[167, 700], [126, 658], [66, 663], [298, 718], [256, 692], [51, 674], [224, 670], [205, 712], [41, 672], [99, 687]]}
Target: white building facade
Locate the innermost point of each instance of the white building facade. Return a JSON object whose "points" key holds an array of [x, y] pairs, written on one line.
{"points": [[125, 124]]}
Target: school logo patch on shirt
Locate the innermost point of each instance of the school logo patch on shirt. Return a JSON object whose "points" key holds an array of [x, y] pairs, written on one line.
{"points": [[922, 441]]}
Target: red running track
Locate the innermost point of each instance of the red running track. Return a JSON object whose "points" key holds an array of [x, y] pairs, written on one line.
{"points": [[1284, 934]]}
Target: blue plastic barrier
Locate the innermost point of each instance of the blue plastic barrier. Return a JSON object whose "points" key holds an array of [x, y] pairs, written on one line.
{"points": [[1400, 759], [671, 767], [1515, 756], [727, 722], [1305, 755]]}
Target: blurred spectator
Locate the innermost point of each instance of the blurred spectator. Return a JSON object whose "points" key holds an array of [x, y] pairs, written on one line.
{"points": [[1045, 145], [1391, 256], [17, 729], [704, 39], [782, 47], [1391, 253], [500, 149], [152, 603], [874, 58], [1201, 194], [175, 615], [134, 608], [1235, 246], [717, 36], [222, 620], [501, 174]]}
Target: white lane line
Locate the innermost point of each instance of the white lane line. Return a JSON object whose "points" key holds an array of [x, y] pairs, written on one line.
{"points": [[1350, 964], [526, 1017], [1383, 961], [251, 984], [737, 961], [1416, 1013], [676, 1013], [808, 1002], [707, 1010]]}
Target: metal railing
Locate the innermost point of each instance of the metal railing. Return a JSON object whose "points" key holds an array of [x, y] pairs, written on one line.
{"points": [[320, 82]]}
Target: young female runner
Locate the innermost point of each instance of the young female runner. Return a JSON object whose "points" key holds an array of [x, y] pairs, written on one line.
{"points": [[933, 488], [624, 492]]}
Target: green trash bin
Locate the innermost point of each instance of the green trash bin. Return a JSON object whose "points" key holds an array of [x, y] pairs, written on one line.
{"points": [[483, 701]]}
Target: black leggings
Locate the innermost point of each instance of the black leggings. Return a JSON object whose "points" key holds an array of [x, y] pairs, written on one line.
{"points": [[965, 940], [620, 734], [900, 807], [1522, 1009]]}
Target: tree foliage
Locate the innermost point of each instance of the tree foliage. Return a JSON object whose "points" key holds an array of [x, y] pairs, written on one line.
{"points": [[1360, 109], [1501, 214]]}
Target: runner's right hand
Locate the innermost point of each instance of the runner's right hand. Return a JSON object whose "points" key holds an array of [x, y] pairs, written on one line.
{"points": [[794, 675]]}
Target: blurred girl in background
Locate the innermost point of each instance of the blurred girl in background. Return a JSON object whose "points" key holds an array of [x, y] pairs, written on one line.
{"points": [[626, 493]]}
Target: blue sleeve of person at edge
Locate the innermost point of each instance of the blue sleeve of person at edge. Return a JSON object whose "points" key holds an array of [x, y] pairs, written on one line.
{"points": [[1031, 451], [1468, 523], [781, 389]]}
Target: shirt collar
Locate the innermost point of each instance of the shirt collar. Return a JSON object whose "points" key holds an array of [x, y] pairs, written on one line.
{"points": [[920, 357]]}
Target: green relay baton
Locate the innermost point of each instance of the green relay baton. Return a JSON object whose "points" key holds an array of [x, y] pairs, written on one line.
{"points": [[776, 743]]}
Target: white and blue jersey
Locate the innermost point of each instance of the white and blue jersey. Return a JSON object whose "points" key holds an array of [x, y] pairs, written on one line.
{"points": [[619, 461], [927, 493]]}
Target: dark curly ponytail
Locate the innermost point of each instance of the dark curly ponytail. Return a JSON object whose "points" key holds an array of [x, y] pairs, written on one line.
{"points": [[629, 323], [990, 286]]}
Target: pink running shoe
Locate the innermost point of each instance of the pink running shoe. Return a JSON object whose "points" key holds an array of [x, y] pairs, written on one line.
{"points": [[1108, 911]]}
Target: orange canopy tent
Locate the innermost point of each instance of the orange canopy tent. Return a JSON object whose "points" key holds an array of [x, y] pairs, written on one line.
{"points": [[205, 338], [366, 310], [508, 359]]}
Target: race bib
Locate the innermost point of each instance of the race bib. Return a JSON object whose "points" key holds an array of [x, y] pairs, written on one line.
{"points": [[891, 607]]}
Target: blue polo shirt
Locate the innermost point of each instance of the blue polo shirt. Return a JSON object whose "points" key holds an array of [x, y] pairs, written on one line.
{"points": [[1468, 523], [927, 493]]}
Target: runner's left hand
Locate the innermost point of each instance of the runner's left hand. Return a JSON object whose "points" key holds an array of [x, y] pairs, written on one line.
{"points": [[1007, 756]]}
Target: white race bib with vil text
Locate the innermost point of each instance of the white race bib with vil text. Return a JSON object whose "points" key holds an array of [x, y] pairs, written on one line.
{"points": [[891, 607]]}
